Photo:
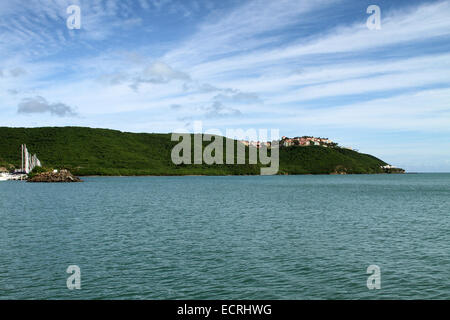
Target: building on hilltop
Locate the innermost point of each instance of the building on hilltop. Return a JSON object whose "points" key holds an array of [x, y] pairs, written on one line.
{"points": [[305, 141]]}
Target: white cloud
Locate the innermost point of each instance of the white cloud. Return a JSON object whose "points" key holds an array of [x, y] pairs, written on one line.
{"points": [[218, 110], [239, 30], [426, 111], [421, 23]]}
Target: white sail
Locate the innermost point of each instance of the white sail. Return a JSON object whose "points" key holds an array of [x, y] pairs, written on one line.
{"points": [[29, 162]]}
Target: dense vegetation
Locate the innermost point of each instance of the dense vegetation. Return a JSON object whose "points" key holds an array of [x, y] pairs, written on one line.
{"points": [[87, 151], [36, 171]]}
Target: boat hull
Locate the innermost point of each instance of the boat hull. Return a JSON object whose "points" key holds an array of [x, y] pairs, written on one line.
{"points": [[9, 177]]}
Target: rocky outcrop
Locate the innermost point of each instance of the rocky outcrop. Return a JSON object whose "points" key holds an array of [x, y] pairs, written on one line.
{"points": [[340, 169], [60, 176], [394, 170]]}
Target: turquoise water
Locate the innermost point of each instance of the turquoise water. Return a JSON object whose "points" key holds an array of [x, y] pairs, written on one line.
{"points": [[280, 237]]}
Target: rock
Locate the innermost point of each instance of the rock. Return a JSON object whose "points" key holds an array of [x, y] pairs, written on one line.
{"points": [[394, 170], [339, 170], [61, 176]]}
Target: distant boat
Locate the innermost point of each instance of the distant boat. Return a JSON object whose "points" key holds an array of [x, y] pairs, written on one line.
{"points": [[29, 162], [4, 176]]}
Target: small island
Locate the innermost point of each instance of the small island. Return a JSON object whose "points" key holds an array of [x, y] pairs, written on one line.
{"points": [[53, 176]]}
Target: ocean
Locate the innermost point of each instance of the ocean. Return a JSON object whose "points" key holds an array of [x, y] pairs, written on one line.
{"points": [[234, 237]]}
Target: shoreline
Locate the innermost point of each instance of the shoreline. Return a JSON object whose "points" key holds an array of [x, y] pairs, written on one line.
{"points": [[308, 174], [257, 175]]}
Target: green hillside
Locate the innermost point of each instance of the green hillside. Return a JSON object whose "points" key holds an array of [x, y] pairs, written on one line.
{"points": [[87, 151]]}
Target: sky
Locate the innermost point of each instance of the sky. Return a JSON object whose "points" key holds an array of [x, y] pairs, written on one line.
{"points": [[301, 66]]}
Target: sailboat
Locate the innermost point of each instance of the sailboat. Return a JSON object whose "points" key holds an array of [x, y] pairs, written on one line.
{"points": [[29, 162]]}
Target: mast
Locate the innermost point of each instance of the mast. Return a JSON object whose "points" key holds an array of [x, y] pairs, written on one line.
{"points": [[27, 160]]}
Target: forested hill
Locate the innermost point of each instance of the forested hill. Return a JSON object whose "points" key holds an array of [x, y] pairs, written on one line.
{"points": [[87, 151]]}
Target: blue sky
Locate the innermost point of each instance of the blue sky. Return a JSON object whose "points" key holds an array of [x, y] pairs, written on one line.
{"points": [[303, 67]]}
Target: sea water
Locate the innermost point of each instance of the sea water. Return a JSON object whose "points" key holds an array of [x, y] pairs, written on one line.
{"points": [[249, 237]]}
